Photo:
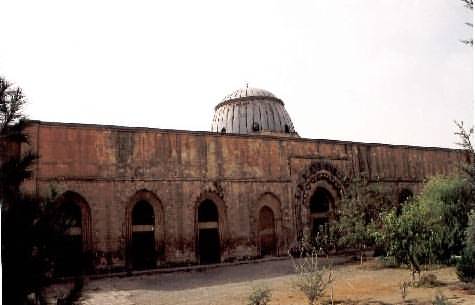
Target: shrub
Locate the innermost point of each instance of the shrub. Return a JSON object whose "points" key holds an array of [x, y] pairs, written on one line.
{"points": [[429, 280], [466, 263], [440, 300], [259, 296], [313, 279], [403, 288]]}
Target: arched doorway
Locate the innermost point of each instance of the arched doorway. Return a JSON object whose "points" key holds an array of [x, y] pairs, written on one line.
{"points": [[320, 204], [143, 236], [208, 233], [70, 259], [266, 231], [405, 195]]}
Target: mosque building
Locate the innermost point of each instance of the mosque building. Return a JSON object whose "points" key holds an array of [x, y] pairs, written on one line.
{"points": [[144, 198]]}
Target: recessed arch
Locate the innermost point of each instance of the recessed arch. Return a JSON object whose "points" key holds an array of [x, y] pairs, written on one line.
{"points": [[404, 196], [210, 223], [266, 232], [145, 230], [318, 175], [74, 216], [320, 204], [266, 218]]}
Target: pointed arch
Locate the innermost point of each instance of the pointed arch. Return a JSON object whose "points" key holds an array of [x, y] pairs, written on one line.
{"points": [[76, 242], [144, 215], [268, 232], [318, 175], [71, 199], [210, 224]]}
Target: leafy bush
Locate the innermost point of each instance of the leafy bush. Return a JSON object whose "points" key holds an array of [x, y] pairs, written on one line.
{"points": [[448, 198], [466, 264], [259, 296]]}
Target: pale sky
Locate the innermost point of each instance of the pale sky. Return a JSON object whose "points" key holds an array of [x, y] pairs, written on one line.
{"points": [[365, 70]]}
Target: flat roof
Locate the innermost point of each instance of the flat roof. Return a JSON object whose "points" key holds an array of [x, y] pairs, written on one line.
{"points": [[217, 134]]}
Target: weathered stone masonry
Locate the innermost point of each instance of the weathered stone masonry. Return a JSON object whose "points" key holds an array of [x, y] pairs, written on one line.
{"points": [[112, 168], [148, 197]]}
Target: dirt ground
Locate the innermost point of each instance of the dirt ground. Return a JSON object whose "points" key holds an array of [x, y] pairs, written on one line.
{"points": [[231, 285]]}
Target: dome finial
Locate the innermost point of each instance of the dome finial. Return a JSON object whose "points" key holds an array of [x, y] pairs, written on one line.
{"points": [[247, 85]]}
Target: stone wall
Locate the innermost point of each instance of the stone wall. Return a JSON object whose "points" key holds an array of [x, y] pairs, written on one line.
{"points": [[110, 167]]}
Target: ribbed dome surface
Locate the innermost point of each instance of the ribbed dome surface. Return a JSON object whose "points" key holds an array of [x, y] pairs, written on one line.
{"points": [[252, 111], [248, 92]]}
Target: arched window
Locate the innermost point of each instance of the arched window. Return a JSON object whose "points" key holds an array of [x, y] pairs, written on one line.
{"points": [[287, 128], [223, 130]]}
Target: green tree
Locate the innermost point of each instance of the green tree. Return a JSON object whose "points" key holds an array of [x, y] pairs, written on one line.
{"points": [[32, 227], [14, 168], [465, 137], [466, 264], [358, 215], [430, 227]]}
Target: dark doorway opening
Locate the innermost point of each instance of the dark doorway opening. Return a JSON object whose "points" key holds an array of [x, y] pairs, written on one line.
{"points": [[404, 196], [209, 250], [320, 203], [143, 236], [267, 238], [70, 249], [209, 246]]}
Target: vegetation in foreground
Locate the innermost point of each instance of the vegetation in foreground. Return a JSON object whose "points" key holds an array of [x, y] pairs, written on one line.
{"points": [[32, 227]]}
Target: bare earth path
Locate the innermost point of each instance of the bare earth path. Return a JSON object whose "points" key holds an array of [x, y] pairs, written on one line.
{"points": [[232, 284]]}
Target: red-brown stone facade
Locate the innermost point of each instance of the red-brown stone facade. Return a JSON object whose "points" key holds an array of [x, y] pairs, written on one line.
{"points": [[259, 186]]}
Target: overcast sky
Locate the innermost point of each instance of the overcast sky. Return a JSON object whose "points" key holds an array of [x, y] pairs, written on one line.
{"points": [[365, 70]]}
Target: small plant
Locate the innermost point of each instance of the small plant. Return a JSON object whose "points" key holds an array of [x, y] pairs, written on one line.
{"points": [[259, 296], [440, 299], [312, 279], [404, 289]]}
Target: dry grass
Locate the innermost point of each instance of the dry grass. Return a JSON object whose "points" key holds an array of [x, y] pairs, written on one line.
{"points": [[353, 284]]}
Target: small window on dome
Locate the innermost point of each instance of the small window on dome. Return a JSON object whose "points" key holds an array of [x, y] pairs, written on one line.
{"points": [[255, 127], [223, 130], [287, 129]]}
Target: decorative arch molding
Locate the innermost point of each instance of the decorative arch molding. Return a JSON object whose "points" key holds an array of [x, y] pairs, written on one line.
{"points": [[86, 218], [159, 217], [272, 201], [321, 174], [213, 192]]}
